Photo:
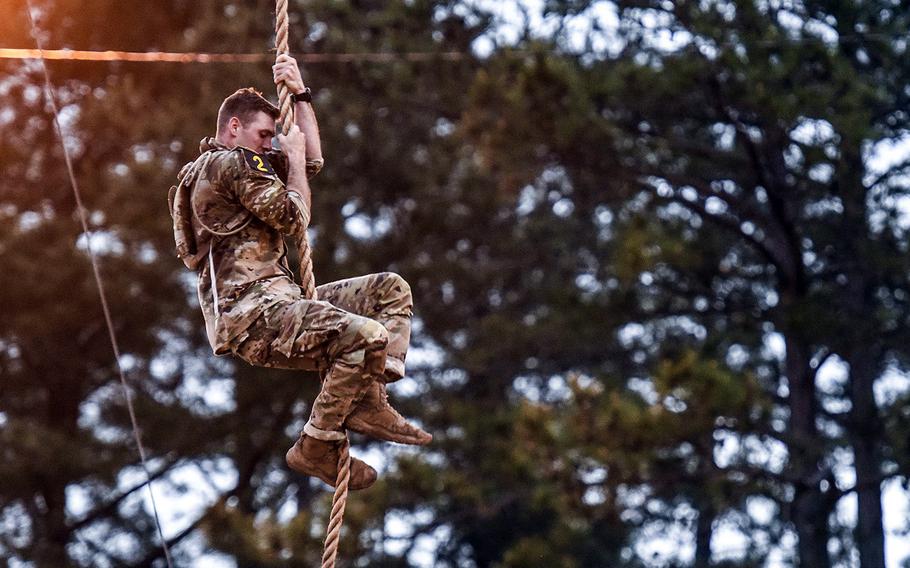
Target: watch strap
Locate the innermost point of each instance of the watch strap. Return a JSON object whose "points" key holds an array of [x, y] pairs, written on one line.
{"points": [[305, 97]]}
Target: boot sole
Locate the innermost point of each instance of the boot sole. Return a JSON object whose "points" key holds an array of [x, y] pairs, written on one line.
{"points": [[387, 435], [301, 466]]}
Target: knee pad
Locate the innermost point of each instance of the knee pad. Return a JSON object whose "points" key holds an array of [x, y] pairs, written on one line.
{"points": [[368, 336], [353, 358], [374, 335]]}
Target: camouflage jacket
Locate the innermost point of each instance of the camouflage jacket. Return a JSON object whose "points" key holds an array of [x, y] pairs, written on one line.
{"points": [[231, 211]]}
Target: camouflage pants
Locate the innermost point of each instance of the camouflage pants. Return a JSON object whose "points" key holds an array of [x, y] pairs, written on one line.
{"points": [[357, 332]]}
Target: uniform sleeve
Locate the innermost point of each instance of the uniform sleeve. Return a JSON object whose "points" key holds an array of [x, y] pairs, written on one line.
{"points": [[313, 167], [268, 198], [280, 163]]}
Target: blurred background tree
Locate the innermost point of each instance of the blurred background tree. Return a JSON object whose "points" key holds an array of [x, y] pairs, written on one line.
{"points": [[657, 251]]}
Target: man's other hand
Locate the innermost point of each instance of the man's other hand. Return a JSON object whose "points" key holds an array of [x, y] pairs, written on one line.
{"points": [[285, 70], [294, 145]]}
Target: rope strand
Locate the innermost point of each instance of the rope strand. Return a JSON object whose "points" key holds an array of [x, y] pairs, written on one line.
{"points": [[105, 308], [339, 502], [307, 277], [281, 45]]}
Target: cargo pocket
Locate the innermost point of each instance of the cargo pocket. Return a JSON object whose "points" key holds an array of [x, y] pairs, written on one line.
{"points": [[256, 350]]}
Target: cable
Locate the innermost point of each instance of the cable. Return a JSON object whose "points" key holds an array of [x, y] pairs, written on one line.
{"points": [[370, 57], [98, 281], [192, 57]]}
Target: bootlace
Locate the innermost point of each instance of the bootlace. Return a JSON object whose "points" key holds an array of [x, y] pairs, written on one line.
{"points": [[384, 395]]}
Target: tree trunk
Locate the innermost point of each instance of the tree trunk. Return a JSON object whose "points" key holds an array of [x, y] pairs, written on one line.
{"points": [[863, 352], [810, 508], [703, 532], [865, 436], [52, 533], [61, 419], [810, 516]]}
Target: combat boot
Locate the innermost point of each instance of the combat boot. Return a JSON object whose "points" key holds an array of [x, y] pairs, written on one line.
{"points": [[319, 458], [375, 417]]}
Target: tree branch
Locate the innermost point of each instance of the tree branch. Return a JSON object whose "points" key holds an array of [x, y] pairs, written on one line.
{"points": [[729, 225], [897, 169], [111, 506]]}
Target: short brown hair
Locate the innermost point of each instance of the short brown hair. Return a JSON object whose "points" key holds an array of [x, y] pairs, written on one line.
{"points": [[244, 104]]}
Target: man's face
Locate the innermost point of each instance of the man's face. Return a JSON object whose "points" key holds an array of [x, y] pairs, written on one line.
{"points": [[256, 134]]}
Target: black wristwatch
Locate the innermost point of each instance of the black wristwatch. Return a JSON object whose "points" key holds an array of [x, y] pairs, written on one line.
{"points": [[305, 97]]}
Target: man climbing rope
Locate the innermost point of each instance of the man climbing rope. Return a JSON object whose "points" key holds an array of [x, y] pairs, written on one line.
{"points": [[232, 209]]}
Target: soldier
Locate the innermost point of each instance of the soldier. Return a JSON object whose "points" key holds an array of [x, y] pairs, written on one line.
{"points": [[232, 209]]}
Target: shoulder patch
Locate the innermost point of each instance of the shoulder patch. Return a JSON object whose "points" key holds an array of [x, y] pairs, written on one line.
{"points": [[258, 162]]}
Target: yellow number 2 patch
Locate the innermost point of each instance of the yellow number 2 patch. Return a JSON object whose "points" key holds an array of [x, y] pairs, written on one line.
{"points": [[257, 162]]}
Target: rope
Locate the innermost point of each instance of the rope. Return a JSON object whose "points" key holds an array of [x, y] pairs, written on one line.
{"points": [[307, 278], [340, 498], [98, 282], [339, 502], [195, 57], [281, 45]]}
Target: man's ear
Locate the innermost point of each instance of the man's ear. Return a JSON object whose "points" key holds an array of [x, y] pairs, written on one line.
{"points": [[234, 125]]}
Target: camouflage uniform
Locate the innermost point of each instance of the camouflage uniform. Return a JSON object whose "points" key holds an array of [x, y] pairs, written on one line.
{"points": [[231, 213]]}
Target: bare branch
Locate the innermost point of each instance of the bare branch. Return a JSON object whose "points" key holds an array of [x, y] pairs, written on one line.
{"points": [[111, 506], [729, 225], [895, 170]]}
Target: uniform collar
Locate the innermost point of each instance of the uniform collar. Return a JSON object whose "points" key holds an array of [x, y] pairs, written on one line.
{"points": [[209, 143]]}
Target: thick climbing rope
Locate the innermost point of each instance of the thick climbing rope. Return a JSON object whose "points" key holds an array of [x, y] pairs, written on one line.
{"points": [[307, 279], [339, 502], [340, 498], [105, 308]]}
